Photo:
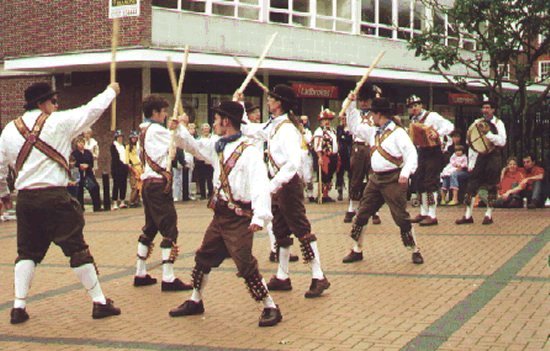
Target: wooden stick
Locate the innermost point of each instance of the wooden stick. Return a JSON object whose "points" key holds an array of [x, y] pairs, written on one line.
{"points": [[258, 64], [256, 80], [361, 82], [172, 74], [172, 148], [114, 45]]}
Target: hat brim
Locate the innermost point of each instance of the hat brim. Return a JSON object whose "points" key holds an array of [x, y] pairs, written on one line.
{"points": [[414, 102], [229, 115], [32, 104], [281, 98]]}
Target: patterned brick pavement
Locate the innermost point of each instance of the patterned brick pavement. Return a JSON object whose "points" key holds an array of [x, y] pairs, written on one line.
{"points": [[481, 288]]}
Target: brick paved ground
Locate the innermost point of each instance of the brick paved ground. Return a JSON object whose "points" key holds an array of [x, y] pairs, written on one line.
{"points": [[481, 288]]}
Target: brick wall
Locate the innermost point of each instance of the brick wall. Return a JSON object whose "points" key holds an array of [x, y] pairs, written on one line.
{"points": [[45, 26]]}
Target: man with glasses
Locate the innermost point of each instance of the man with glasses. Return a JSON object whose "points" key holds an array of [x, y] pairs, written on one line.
{"points": [[38, 145]]}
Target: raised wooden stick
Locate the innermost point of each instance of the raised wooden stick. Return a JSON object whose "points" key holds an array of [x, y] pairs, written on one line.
{"points": [[172, 149], [172, 74], [258, 64], [362, 81], [114, 45], [256, 80]]}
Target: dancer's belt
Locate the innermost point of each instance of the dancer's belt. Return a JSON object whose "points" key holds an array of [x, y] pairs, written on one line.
{"points": [[387, 172], [154, 180]]}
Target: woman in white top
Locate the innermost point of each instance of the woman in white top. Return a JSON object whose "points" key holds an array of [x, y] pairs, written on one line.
{"points": [[119, 170]]}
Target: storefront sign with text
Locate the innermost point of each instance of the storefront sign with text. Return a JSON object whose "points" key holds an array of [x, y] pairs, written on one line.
{"points": [[462, 99], [318, 91], [123, 8]]}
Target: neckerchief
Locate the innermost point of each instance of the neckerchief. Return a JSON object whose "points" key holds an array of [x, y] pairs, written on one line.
{"points": [[220, 144], [381, 129]]}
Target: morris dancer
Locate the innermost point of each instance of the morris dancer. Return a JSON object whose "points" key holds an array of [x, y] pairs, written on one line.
{"points": [[430, 158], [485, 168], [325, 144], [38, 145], [393, 160], [285, 154], [241, 205], [158, 203]]}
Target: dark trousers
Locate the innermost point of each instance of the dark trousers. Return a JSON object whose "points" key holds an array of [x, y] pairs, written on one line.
{"points": [[50, 215], [359, 169], [384, 188], [89, 183], [289, 212], [185, 184], [228, 236], [205, 173], [160, 213], [535, 194], [429, 169], [120, 177], [486, 173], [326, 177]]}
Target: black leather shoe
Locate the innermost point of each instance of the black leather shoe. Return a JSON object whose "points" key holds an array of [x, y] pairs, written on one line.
{"points": [[417, 258], [270, 317], [464, 220], [317, 287], [376, 219], [18, 315], [487, 220], [311, 200], [276, 284], [348, 218], [176, 285], [294, 258], [188, 308], [105, 310], [273, 257], [353, 257], [144, 281]]}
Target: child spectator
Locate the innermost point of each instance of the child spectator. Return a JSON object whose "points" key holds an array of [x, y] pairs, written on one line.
{"points": [[449, 175]]}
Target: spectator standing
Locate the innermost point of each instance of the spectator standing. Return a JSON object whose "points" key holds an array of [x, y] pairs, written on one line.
{"points": [[135, 168], [119, 170], [92, 145], [84, 161], [177, 175], [204, 171]]}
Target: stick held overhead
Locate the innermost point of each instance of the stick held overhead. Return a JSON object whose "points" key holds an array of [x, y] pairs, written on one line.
{"points": [[254, 69], [114, 45], [173, 82]]}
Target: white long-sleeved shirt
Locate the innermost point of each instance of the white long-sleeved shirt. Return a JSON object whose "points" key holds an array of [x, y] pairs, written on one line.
{"points": [[318, 140], [498, 139], [440, 124], [248, 178], [285, 147], [60, 129], [398, 144], [157, 143], [92, 145]]}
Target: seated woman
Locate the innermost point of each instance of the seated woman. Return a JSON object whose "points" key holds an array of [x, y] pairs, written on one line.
{"points": [[510, 185]]}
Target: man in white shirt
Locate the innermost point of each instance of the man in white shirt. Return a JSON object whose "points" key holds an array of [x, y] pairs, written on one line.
{"points": [[38, 145], [393, 160], [241, 205], [432, 128], [325, 144], [307, 168], [485, 167], [285, 155], [158, 203]]}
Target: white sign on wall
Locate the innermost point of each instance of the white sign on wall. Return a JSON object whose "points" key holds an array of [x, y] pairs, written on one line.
{"points": [[123, 8]]}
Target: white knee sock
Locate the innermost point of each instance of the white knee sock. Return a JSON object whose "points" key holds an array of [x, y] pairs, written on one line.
{"points": [[284, 259], [24, 272], [432, 208], [469, 209], [424, 204], [352, 206], [141, 266], [88, 277], [489, 212], [268, 300], [416, 247], [197, 293], [358, 245], [271, 236], [316, 271], [167, 268]]}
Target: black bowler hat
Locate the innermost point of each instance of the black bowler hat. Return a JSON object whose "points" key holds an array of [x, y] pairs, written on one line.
{"points": [[368, 91], [381, 105], [38, 92], [284, 93], [230, 109], [249, 107]]}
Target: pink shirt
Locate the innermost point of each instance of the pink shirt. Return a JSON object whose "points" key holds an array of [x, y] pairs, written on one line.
{"points": [[456, 163]]}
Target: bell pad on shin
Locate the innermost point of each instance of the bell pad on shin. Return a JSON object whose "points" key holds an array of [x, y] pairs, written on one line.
{"points": [[305, 246], [356, 231], [198, 275], [256, 288], [408, 239]]}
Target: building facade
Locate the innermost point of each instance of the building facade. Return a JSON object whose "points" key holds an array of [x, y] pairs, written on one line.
{"points": [[322, 48]]}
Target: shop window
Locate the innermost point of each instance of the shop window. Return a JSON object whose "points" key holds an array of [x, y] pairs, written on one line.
{"points": [[544, 70], [296, 12], [335, 15], [171, 4], [193, 5]]}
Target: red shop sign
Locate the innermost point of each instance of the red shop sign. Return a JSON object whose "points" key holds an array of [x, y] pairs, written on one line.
{"points": [[462, 99], [307, 90]]}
